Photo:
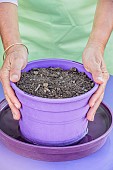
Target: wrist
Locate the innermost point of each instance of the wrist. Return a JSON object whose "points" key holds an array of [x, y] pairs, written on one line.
{"points": [[10, 38], [97, 40], [17, 47], [95, 44]]}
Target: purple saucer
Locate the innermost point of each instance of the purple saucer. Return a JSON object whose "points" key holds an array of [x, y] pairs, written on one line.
{"points": [[98, 132]]}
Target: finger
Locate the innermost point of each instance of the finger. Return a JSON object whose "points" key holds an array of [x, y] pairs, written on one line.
{"points": [[97, 94], [100, 90], [9, 92], [15, 111], [16, 66], [92, 110], [87, 69], [97, 73]]}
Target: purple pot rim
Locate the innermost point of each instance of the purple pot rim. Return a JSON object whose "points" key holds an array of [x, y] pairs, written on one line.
{"points": [[65, 147], [48, 100]]}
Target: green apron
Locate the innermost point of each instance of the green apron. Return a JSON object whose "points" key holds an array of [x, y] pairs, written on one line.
{"points": [[59, 28]]}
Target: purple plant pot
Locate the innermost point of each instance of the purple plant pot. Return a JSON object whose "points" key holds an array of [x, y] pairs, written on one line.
{"points": [[54, 122]]}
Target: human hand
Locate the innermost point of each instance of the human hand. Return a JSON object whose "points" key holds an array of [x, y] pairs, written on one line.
{"points": [[94, 63], [14, 62]]}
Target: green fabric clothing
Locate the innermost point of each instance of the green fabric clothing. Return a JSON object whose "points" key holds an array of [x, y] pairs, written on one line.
{"points": [[59, 29]]}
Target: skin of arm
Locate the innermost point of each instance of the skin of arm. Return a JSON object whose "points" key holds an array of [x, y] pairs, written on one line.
{"points": [[9, 29], [93, 53], [103, 23]]}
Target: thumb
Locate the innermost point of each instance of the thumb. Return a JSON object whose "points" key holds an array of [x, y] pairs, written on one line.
{"points": [[97, 73], [15, 71]]}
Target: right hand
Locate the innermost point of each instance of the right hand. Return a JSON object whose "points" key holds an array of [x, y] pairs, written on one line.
{"points": [[93, 61], [14, 62]]}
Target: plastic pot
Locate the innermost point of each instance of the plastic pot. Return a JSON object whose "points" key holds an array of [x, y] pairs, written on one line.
{"points": [[54, 122]]}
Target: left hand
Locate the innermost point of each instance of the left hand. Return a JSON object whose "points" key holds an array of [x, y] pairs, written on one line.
{"points": [[94, 63]]}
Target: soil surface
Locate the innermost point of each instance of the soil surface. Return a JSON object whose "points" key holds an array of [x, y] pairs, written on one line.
{"points": [[55, 82]]}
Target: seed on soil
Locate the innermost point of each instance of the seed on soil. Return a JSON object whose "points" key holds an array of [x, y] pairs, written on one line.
{"points": [[45, 84], [37, 87], [35, 72]]}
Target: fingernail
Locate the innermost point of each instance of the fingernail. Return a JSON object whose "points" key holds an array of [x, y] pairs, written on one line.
{"points": [[14, 77], [92, 119], [101, 79], [14, 116], [16, 106], [92, 104]]}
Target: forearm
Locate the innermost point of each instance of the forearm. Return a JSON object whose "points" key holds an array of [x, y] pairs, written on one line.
{"points": [[103, 24], [9, 29]]}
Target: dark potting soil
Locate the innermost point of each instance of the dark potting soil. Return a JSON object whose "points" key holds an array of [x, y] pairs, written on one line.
{"points": [[55, 82]]}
